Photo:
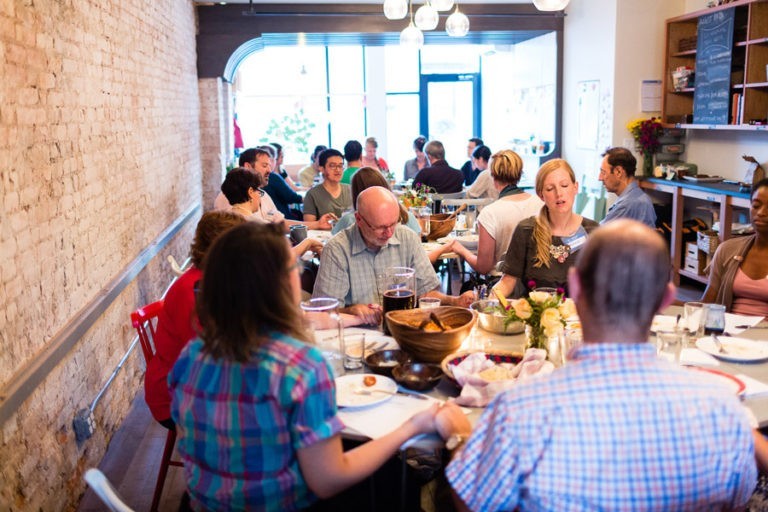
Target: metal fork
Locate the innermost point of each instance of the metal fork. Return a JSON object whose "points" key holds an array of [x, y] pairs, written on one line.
{"points": [[720, 347]]}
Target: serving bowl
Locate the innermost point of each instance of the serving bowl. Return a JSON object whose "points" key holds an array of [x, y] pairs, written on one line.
{"points": [[440, 224], [417, 376], [497, 356], [493, 321], [383, 361], [419, 336]]}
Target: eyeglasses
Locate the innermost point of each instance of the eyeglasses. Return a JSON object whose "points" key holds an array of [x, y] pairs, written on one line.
{"points": [[334, 167], [261, 192], [380, 229]]}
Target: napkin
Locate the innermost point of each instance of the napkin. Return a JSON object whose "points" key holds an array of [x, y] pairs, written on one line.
{"points": [[380, 419], [731, 321], [663, 323], [478, 392], [753, 387], [696, 357]]}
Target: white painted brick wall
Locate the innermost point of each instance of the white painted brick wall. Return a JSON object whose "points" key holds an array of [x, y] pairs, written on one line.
{"points": [[99, 153]]}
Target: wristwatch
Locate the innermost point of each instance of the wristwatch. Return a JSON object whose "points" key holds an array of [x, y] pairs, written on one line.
{"points": [[455, 441]]}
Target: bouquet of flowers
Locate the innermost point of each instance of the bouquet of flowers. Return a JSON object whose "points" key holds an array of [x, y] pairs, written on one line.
{"points": [[416, 196], [646, 133], [543, 312]]}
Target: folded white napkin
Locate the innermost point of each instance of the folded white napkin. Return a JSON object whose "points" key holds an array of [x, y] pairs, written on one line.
{"points": [[696, 357], [753, 386], [478, 392], [731, 321]]}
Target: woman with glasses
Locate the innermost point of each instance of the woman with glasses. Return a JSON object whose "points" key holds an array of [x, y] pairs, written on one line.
{"points": [[331, 196], [253, 400]]}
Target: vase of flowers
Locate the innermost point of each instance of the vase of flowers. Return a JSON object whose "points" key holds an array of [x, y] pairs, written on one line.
{"points": [[416, 196], [543, 312], [646, 133]]}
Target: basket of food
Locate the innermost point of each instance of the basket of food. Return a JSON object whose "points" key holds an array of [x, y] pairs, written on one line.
{"points": [[501, 359], [431, 334], [707, 241], [440, 224]]}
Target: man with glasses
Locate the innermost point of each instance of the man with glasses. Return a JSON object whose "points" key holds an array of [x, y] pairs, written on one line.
{"points": [[330, 196], [617, 172], [354, 257]]}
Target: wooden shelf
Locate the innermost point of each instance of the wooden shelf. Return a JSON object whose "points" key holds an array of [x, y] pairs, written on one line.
{"points": [[687, 53], [756, 85], [686, 90], [693, 275], [742, 127]]}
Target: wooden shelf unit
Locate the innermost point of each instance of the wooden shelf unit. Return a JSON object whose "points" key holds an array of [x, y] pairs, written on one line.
{"points": [[748, 67], [726, 196]]}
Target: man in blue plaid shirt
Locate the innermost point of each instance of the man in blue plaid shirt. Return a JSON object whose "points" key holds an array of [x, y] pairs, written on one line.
{"points": [[617, 428]]}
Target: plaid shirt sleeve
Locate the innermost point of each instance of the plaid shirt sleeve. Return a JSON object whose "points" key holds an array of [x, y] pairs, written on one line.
{"points": [[314, 418], [485, 474]]}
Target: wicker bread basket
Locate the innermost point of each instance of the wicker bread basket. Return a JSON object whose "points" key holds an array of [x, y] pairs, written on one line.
{"points": [[707, 241]]}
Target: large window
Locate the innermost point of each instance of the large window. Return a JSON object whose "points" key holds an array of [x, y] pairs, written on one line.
{"points": [[307, 95]]}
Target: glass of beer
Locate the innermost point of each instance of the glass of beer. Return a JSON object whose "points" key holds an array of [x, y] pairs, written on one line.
{"points": [[397, 287]]}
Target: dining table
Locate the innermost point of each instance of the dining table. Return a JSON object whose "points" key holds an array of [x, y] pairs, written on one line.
{"points": [[379, 418]]}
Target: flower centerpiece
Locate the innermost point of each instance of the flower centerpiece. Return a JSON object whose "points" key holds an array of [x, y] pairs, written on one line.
{"points": [[416, 196], [646, 133], [543, 313]]}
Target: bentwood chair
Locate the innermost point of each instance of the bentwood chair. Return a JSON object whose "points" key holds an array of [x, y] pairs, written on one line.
{"points": [[144, 320], [105, 491]]}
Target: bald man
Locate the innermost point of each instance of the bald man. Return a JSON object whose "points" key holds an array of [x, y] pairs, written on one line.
{"points": [[354, 257], [617, 428]]}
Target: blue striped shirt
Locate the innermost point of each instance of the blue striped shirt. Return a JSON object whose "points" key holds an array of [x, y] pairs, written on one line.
{"points": [[617, 429], [240, 424]]}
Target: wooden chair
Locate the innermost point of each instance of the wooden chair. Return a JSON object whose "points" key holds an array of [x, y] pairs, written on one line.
{"points": [[105, 491], [144, 320]]}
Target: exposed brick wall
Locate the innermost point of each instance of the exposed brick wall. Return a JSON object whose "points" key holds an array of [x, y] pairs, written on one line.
{"points": [[216, 139], [99, 153]]}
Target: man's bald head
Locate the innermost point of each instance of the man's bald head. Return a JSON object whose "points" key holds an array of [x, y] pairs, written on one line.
{"points": [[373, 199], [377, 215], [623, 276]]}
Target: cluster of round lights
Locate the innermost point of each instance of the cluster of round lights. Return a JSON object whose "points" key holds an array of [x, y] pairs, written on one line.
{"points": [[426, 18]]}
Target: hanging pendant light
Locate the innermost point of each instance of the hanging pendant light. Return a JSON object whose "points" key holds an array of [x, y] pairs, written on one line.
{"points": [[395, 9], [550, 5], [442, 5], [411, 37], [457, 24], [426, 17]]}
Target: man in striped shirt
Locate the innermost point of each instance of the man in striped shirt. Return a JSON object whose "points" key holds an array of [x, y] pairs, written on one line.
{"points": [[617, 428]]}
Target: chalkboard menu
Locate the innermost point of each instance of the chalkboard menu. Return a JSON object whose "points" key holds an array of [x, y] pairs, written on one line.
{"points": [[714, 44]]}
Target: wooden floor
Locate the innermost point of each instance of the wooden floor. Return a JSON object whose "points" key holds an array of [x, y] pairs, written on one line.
{"points": [[132, 461], [133, 457]]}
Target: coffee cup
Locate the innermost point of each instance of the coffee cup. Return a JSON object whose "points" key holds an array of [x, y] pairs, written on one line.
{"points": [[298, 233]]}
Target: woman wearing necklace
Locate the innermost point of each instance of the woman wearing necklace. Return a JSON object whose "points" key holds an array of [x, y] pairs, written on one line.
{"points": [[543, 247], [498, 220]]}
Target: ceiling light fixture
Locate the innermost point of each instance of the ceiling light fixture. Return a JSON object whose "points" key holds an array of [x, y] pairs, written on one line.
{"points": [[426, 17], [442, 5], [395, 9], [411, 37], [457, 24], [550, 5]]}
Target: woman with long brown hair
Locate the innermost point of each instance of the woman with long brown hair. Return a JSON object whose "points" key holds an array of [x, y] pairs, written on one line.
{"points": [[253, 400], [542, 247]]}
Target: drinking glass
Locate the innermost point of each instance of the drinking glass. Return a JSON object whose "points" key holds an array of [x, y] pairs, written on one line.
{"points": [[422, 217], [322, 314], [692, 312], [354, 349], [397, 288], [570, 338], [669, 343], [429, 302], [714, 319]]}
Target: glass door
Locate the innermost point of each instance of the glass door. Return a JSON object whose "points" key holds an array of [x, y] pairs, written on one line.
{"points": [[450, 112]]}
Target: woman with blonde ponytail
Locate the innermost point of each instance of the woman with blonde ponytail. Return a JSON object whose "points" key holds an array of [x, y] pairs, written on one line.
{"points": [[543, 247]]}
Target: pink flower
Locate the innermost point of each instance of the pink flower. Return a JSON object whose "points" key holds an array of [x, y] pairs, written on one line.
{"points": [[531, 284]]}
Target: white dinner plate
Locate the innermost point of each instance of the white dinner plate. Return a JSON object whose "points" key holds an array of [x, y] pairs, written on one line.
{"points": [[319, 235], [739, 350], [469, 241], [346, 385]]}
